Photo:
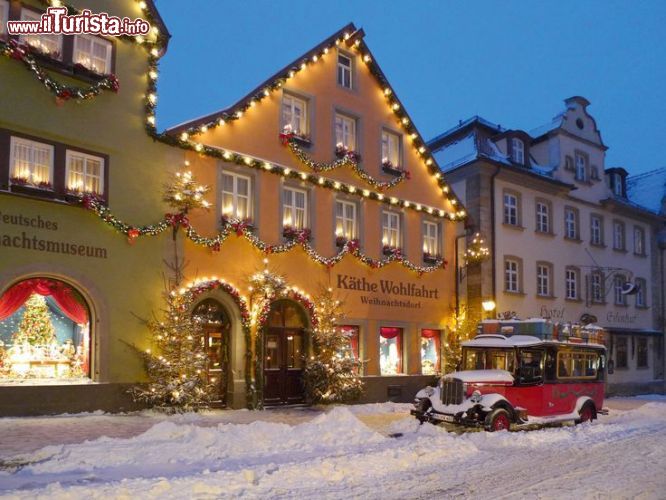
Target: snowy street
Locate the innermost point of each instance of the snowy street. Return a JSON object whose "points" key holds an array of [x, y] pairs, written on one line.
{"points": [[345, 452]]}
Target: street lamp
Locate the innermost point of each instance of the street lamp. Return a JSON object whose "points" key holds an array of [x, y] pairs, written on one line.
{"points": [[488, 307]]}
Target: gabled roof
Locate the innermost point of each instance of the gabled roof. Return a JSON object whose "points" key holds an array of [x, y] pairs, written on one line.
{"points": [[648, 189], [352, 37]]}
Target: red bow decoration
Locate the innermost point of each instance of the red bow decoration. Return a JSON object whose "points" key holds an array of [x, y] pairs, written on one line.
{"points": [[177, 219], [132, 235], [286, 137]]}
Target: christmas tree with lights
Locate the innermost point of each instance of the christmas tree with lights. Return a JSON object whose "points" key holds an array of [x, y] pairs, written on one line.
{"points": [[176, 363], [464, 328], [36, 327], [331, 377]]}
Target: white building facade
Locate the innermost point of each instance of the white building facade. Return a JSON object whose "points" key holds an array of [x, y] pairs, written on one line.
{"points": [[566, 241]]}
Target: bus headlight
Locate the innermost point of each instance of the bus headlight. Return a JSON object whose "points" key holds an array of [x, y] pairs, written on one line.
{"points": [[429, 391], [476, 397]]}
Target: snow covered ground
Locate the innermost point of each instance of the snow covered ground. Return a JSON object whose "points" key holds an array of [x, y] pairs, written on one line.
{"points": [[345, 452]]}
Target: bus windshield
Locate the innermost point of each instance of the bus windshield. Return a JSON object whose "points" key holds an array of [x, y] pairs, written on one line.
{"points": [[479, 358]]}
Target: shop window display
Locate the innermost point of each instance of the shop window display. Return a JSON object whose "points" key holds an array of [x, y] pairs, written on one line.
{"points": [[390, 350], [430, 351], [44, 333]]}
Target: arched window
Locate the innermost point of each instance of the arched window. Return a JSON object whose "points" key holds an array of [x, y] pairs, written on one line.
{"points": [[44, 332]]}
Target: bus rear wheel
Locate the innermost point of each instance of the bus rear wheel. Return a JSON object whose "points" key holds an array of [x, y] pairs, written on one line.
{"points": [[497, 420], [587, 413]]}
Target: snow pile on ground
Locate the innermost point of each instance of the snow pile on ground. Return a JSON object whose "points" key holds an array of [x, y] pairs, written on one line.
{"points": [[336, 455]]}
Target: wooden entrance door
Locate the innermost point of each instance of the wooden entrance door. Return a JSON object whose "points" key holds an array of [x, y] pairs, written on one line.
{"points": [[284, 355], [216, 331]]}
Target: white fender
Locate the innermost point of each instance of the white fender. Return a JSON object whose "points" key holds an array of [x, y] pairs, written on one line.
{"points": [[490, 400]]}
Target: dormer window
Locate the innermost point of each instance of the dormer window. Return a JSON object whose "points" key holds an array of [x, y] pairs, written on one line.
{"points": [[517, 151], [581, 167], [617, 185], [344, 71]]}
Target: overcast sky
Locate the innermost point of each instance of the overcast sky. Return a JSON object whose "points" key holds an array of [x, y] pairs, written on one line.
{"points": [[512, 62]]}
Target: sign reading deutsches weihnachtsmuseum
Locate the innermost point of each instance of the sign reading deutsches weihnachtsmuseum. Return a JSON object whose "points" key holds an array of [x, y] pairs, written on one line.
{"points": [[29, 241], [387, 292]]}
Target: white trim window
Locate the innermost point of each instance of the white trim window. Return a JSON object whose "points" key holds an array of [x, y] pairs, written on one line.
{"points": [[596, 230], [294, 114], [511, 270], [4, 16], [618, 235], [294, 208], [571, 223], [571, 278], [345, 132], [597, 287], [391, 148], [431, 238], [84, 173], [542, 217], [620, 298], [543, 280], [517, 151], [581, 167], [639, 241], [345, 220], [510, 209], [31, 161], [641, 294], [93, 53], [50, 45], [236, 196], [391, 236], [344, 71]]}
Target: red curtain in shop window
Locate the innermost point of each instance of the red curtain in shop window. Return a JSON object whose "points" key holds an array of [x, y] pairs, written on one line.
{"points": [[392, 332], [63, 295], [352, 333], [427, 333]]}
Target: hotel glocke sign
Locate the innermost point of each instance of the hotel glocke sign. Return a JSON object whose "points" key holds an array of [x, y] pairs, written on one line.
{"points": [[386, 292]]}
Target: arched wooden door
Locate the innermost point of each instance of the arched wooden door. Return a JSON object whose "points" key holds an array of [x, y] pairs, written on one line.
{"points": [[216, 333], [284, 354]]}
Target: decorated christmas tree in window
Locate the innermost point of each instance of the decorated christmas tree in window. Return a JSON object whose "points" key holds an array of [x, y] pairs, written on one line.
{"points": [[36, 327]]}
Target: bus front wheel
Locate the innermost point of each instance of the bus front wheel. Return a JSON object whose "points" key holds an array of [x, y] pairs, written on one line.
{"points": [[497, 420], [587, 413]]}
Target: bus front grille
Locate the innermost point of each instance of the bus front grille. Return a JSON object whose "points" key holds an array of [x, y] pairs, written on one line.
{"points": [[452, 391]]}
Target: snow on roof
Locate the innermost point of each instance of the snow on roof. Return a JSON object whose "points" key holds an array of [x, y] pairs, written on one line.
{"points": [[492, 340], [475, 376], [556, 122], [648, 189]]}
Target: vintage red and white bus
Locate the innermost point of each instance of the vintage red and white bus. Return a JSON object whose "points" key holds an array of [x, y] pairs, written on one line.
{"points": [[508, 379]]}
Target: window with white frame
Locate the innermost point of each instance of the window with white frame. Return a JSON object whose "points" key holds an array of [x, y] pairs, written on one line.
{"points": [[596, 230], [391, 229], [511, 276], [510, 209], [581, 167], [430, 239], [294, 114], [597, 287], [390, 149], [4, 16], [618, 284], [639, 240], [618, 235], [542, 217], [84, 173], [517, 151], [236, 196], [31, 162], [543, 280], [344, 71], [571, 223], [571, 278], [345, 220], [345, 132], [294, 208], [641, 293], [50, 45], [93, 53]]}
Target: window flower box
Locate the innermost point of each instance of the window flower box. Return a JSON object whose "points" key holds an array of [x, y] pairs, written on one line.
{"points": [[300, 137], [237, 224], [391, 169], [23, 182], [81, 70], [429, 258], [293, 233], [341, 151], [341, 241], [389, 251]]}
